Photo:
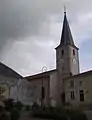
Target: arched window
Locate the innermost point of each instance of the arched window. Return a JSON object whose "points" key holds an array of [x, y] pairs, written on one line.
{"points": [[73, 52], [62, 53], [72, 95]]}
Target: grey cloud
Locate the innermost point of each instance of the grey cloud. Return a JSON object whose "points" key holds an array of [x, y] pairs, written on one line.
{"points": [[20, 20], [23, 18], [28, 60]]}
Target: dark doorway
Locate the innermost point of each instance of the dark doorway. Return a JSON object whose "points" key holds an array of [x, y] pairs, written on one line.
{"points": [[81, 95]]}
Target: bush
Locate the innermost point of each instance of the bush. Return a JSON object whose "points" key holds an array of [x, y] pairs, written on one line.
{"points": [[49, 115], [77, 115], [9, 104], [27, 107], [15, 114], [59, 113], [4, 116], [50, 112], [35, 107], [1, 109], [18, 105]]}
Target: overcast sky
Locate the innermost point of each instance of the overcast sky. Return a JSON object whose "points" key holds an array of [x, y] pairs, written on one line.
{"points": [[31, 29]]}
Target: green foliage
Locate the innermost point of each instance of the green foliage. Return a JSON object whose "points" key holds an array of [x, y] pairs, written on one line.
{"points": [[9, 104], [2, 109], [59, 113], [50, 112], [13, 108], [18, 105], [77, 115], [4, 116], [35, 107], [50, 115], [15, 114], [27, 107]]}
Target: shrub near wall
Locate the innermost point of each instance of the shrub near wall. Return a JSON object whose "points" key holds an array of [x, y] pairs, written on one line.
{"points": [[4, 116], [27, 107], [77, 115], [58, 113], [50, 112], [19, 105], [15, 114], [11, 110]]}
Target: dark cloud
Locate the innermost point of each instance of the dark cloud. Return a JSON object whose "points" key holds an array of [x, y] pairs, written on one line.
{"points": [[30, 28], [23, 18]]}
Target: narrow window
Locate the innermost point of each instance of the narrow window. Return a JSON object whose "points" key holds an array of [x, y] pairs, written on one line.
{"points": [[63, 97], [43, 92], [71, 74], [81, 95], [72, 95], [73, 52], [62, 53], [80, 83], [71, 83]]}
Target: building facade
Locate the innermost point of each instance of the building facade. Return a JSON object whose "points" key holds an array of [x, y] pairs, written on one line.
{"points": [[78, 88], [8, 79], [65, 84]]}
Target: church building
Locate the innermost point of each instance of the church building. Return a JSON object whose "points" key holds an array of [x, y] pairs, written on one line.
{"points": [[65, 84]]}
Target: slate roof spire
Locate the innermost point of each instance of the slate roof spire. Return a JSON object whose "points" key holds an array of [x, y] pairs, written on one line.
{"points": [[66, 37]]}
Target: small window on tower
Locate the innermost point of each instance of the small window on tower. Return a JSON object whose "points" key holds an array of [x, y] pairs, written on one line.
{"points": [[71, 83], [62, 53], [72, 95], [73, 52], [62, 69], [80, 83]]}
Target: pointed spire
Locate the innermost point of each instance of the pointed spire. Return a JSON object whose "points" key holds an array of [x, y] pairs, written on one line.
{"points": [[66, 37]]}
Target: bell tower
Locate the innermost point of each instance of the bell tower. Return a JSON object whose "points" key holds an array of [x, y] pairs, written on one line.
{"points": [[67, 58]]}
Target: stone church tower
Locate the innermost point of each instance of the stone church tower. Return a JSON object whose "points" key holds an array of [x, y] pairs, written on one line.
{"points": [[67, 60]]}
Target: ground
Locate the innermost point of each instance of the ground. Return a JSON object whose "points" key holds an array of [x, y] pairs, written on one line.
{"points": [[89, 114], [25, 116]]}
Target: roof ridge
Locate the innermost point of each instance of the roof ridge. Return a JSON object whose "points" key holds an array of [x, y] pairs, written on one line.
{"points": [[7, 71]]}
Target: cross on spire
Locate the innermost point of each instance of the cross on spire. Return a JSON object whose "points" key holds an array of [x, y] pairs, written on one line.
{"points": [[64, 9]]}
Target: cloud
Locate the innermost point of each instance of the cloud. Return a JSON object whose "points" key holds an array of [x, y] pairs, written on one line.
{"points": [[30, 60], [20, 18], [31, 29]]}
